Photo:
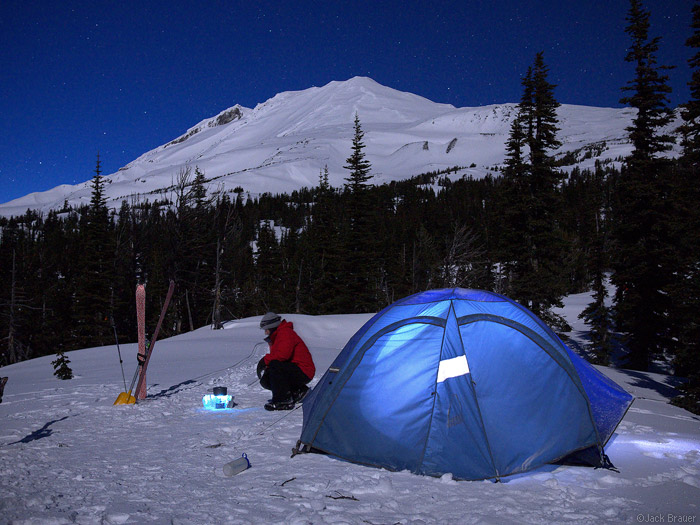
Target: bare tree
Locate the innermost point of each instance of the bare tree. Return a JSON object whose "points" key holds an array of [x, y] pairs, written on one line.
{"points": [[232, 229], [463, 264], [15, 350]]}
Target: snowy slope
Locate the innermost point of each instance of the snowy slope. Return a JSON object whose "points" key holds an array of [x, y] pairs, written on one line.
{"points": [[68, 456], [284, 143]]}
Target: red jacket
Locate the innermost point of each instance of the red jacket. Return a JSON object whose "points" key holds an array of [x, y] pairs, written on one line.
{"points": [[286, 345]]}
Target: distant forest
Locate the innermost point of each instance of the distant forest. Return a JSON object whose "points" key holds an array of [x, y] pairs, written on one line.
{"points": [[531, 231]]}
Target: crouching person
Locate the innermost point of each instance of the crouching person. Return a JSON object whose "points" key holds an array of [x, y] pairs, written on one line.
{"points": [[288, 367]]}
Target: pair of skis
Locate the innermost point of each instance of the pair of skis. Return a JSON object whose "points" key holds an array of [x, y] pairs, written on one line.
{"points": [[145, 350]]}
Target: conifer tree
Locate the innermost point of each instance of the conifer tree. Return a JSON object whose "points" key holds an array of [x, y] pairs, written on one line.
{"points": [[324, 242], [359, 167], [515, 145], [685, 293], [533, 246], [648, 90], [359, 253], [691, 110], [192, 246], [268, 270], [544, 123], [598, 315], [643, 263], [424, 261], [94, 280], [61, 367], [199, 192], [590, 218]]}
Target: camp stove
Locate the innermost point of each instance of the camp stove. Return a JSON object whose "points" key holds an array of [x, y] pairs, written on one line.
{"points": [[219, 400]]}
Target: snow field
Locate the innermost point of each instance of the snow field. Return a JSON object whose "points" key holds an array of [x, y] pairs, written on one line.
{"points": [[68, 456]]}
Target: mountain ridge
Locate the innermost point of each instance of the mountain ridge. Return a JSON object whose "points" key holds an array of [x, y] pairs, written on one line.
{"points": [[282, 144]]}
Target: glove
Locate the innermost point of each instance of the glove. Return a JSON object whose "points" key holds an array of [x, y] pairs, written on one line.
{"points": [[261, 367]]}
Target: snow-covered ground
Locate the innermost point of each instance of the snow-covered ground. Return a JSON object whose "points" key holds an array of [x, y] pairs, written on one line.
{"points": [[67, 455]]}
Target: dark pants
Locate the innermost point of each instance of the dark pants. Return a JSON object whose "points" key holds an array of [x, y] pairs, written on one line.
{"points": [[283, 378]]}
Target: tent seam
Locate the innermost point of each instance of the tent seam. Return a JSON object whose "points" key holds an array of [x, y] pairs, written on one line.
{"points": [[478, 405], [435, 394]]}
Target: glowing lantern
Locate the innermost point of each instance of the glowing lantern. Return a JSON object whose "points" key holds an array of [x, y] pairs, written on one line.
{"points": [[218, 400]]}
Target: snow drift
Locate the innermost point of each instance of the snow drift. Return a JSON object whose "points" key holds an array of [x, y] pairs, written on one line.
{"points": [[68, 456]]}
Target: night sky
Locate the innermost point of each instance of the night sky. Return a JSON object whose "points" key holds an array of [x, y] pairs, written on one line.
{"points": [[122, 78]]}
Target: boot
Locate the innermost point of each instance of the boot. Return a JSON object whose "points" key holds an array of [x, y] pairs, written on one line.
{"points": [[299, 394], [285, 404]]}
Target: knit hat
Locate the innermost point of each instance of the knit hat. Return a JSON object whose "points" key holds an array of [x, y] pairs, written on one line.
{"points": [[270, 321]]}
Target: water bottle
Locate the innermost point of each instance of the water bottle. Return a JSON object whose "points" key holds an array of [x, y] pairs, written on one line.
{"points": [[236, 466]]}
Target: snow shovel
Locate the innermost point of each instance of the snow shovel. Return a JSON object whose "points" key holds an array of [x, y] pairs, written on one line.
{"points": [[125, 398]]}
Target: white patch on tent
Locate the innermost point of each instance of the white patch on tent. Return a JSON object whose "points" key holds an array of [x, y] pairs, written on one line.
{"points": [[455, 367]]}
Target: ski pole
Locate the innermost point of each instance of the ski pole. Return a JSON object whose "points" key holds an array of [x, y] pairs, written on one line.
{"points": [[121, 363]]}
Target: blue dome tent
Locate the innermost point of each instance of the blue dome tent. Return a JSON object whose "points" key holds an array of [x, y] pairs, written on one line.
{"points": [[461, 381]]}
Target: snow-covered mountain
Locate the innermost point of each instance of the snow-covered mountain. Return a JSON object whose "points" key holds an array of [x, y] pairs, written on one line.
{"points": [[284, 143]]}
